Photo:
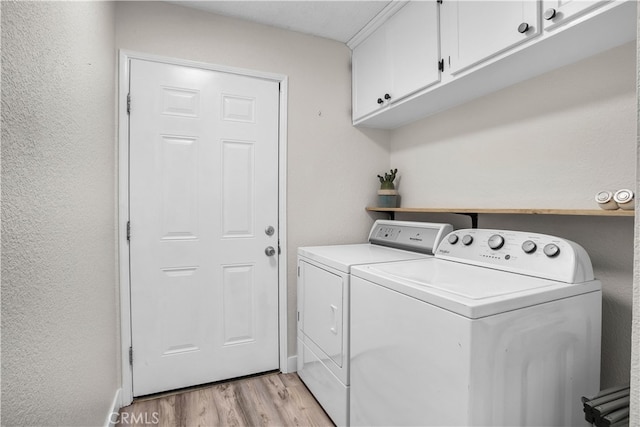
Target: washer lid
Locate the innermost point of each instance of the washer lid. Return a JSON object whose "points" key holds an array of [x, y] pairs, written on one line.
{"points": [[342, 257], [468, 290]]}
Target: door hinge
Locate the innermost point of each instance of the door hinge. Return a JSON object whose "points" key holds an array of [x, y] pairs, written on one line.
{"points": [[298, 316], [298, 271], [441, 65], [131, 356], [128, 231], [129, 103]]}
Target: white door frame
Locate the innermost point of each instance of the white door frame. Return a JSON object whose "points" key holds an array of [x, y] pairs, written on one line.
{"points": [[123, 204]]}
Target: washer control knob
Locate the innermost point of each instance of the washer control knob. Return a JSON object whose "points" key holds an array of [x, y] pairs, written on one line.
{"points": [[551, 250], [467, 240], [453, 239], [496, 242], [529, 247]]}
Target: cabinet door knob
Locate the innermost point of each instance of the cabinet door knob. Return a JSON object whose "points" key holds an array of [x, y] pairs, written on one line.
{"points": [[549, 14], [387, 96], [523, 28], [380, 101]]}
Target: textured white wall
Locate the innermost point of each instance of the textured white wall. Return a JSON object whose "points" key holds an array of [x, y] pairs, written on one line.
{"points": [[332, 166], [59, 323], [550, 142], [635, 337]]}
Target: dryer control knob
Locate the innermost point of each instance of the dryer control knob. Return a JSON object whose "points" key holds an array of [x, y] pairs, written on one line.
{"points": [[496, 242], [453, 239], [529, 247], [551, 250], [467, 240]]}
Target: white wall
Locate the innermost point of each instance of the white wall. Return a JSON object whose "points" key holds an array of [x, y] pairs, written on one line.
{"points": [[59, 327], [550, 142], [332, 166]]}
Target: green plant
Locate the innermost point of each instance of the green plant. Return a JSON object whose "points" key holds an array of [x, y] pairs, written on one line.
{"points": [[386, 181]]}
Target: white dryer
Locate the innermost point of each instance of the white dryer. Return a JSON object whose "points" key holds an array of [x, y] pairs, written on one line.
{"points": [[500, 328], [323, 303]]}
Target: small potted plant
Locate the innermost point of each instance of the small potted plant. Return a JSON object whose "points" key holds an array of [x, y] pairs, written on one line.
{"points": [[388, 195]]}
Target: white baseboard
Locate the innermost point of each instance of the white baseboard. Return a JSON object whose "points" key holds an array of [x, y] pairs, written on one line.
{"points": [[112, 418], [292, 364]]}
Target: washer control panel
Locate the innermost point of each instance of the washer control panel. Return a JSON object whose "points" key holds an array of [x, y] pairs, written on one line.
{"points": [[520, 252], [422, 237]]}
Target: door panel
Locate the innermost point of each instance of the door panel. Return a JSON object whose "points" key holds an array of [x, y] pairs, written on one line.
{"points": [[179, 187], [239, 296], [203, 183], [238, 188]]}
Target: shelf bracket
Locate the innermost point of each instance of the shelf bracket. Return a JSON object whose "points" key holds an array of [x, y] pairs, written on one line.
{"points": [[472, 215]]}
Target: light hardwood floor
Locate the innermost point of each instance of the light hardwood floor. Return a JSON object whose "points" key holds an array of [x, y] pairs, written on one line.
{"points": [[271, 399]]}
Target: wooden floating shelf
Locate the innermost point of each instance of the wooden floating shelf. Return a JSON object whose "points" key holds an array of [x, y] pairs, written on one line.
{"points": [[467, 211]]}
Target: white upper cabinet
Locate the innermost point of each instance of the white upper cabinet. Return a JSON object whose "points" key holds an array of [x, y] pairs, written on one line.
{"points": [[485, 46], [397, 59], [476, 31], [556, 13]]}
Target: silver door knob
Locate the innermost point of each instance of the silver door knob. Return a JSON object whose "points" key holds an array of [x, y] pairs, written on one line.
{"points": [[523, 28], [269, 231], [270, 251]]}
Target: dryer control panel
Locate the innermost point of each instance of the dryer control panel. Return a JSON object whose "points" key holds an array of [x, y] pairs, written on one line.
{"points": [[532, 254], [422, 237]]}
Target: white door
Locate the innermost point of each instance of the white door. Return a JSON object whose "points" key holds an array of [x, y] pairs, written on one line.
{"points": [[203, 194]]}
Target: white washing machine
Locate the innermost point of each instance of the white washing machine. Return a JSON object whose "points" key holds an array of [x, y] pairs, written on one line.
{"points": [[323, 303], [500, 328]]}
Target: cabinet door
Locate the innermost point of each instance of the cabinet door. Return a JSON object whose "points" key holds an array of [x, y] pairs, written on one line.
{"points": [[476, 31], [370, 70], [413, 43], [558, 12]]}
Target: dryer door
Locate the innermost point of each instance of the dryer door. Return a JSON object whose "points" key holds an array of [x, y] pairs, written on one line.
{"points": [[322, 310]]}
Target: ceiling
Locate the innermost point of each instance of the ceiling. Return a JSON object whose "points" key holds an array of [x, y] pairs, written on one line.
{"points": [[333, 19]]}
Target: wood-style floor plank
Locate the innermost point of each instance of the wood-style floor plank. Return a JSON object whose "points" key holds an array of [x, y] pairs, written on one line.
{"points": [[266, 400]]}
